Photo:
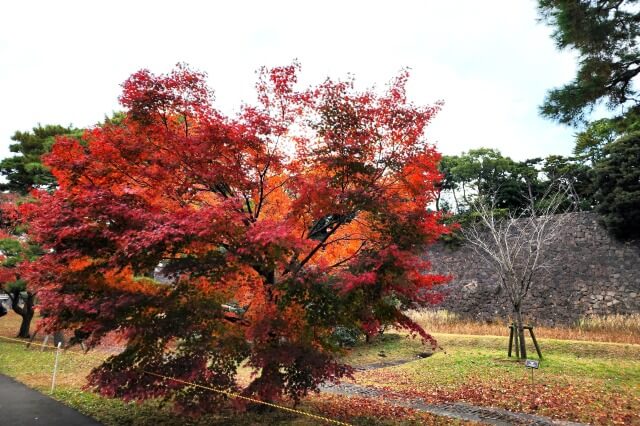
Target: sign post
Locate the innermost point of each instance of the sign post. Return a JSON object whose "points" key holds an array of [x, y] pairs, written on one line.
{"points": [[532, 364], [55, 367]]}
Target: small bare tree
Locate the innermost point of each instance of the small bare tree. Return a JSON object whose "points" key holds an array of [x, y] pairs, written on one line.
{"points": [[515, 244]]}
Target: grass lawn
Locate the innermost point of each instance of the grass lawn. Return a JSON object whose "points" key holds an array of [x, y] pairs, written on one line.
{"points": [[34, 368], [592, 382]]}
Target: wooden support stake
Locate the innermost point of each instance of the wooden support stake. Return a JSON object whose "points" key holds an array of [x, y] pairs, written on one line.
{"points": [[510, 340], [535, 342]]}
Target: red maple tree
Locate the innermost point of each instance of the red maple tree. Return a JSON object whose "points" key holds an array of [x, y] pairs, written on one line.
{"points": [[210, 241]]}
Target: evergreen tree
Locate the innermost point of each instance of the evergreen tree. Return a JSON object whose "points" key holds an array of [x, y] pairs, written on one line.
{"points": [[617, 178], [25, 170], [605, 34]]}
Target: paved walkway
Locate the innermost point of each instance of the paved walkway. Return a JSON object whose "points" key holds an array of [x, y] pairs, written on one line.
{"points": [[22, 406]]}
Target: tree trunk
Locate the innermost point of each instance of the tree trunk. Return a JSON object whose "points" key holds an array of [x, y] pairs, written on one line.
{"points": [[26, 311], [266, 387], [25, 326], [455, 199], [520, 331], [464, 195], [532, 200]]}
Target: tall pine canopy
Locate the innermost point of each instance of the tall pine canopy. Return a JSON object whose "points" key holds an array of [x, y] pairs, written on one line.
{"points": [[605, 34]]}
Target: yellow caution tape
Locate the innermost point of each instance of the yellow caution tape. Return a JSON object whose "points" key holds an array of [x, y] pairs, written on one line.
{"points": [[227, 393], [22, 341], [257, 401]]}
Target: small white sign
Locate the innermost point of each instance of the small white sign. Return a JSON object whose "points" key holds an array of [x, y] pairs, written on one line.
{"points": [[532, 363]]}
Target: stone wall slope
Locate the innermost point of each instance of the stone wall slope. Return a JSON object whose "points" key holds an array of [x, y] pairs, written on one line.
{"points": [[591, 273]]}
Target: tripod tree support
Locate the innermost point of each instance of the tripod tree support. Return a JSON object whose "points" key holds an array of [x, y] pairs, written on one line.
{"points": [[513, 339]]}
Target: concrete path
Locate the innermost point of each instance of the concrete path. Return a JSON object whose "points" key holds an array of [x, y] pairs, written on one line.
{"points": [[22, 406]]}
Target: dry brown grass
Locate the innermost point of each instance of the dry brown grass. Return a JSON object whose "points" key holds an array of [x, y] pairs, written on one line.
{"points": [[612, 328], [9, 324]]}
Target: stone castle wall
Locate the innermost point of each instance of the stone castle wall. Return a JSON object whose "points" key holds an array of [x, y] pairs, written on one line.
{"points": [[590, 273]]}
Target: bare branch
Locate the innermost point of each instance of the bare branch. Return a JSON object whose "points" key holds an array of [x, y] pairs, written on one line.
{"points": [[516, 246]]}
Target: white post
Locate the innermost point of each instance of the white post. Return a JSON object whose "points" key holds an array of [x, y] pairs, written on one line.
{"points": [[55, 367]]}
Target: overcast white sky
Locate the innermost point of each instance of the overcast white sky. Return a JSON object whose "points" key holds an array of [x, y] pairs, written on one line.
{"points": [[62, 62]]}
